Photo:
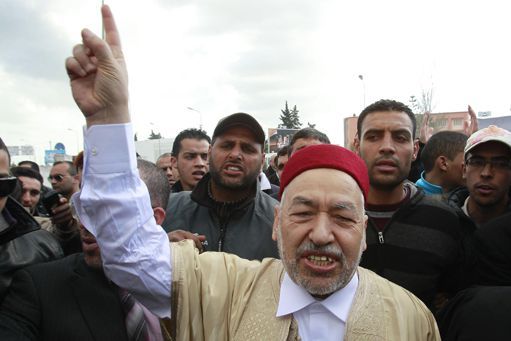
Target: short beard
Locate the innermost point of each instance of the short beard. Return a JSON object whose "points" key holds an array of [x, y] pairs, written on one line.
{"points": [[291, 266], [246, 182]]}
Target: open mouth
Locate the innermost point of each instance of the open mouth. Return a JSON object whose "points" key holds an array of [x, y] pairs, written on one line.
{"points": [[233, 169], [320, 260], [198, 174]]}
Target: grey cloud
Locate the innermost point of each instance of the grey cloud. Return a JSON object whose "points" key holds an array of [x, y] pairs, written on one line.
{"points": [[30, 46]]}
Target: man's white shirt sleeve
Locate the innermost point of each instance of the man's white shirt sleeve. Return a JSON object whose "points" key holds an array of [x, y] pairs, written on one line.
{"points": [[114, 205]]}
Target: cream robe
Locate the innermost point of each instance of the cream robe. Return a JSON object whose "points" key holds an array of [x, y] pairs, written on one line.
{"points": [[219, 296]]}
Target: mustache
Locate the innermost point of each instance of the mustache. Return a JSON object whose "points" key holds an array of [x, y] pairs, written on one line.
{"points": [[387, 158], [327, 249]]}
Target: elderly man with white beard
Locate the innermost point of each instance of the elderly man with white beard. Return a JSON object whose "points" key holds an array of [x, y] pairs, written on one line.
{"points": [[317, 291]]}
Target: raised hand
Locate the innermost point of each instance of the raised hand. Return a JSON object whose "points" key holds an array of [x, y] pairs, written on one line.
{"points": [[97, 71], [473, 126], [425, 130]]}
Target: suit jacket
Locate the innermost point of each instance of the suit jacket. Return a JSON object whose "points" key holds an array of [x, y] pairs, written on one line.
{"points": [[62, 300]]}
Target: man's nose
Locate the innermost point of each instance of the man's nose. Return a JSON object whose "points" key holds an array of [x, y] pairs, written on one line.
{"points": [[487, 170], [387, 144], [321, 233], [235, 152], [25, 198], [200, 162]]}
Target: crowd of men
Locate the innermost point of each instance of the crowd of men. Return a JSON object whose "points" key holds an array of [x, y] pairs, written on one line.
{"points": [[207, 244]]}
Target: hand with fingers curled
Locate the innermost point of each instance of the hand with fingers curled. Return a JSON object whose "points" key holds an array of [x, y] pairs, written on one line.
{"points": [[178, 235], [62, 216], [98, 75]]}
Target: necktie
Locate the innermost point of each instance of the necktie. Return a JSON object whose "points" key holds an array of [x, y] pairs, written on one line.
{"points": [[136, 326]]}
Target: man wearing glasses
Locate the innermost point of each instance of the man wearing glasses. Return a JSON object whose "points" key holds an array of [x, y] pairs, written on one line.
{"points": [[64, 179], [487, 172]]}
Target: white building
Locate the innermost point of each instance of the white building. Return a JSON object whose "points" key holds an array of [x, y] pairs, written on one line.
{"points": [[150, 150]]}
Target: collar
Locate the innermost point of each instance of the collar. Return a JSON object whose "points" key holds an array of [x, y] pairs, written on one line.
{"points": [[177, 187], [294, 298], [264, 182], [201, 194], [428, 187]]}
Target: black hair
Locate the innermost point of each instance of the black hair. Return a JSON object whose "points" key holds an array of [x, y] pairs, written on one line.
{"points": [[192, 133], [32, 165], [307, 133], [386, 105], [443, 143], [27, 172]]}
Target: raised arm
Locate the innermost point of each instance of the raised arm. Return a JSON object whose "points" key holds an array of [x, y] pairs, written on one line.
{"points": [[114, 203], [99, 80]]}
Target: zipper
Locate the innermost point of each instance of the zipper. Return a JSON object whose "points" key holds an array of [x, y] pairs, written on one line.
{"points": [[380, 237], [221, 239]]}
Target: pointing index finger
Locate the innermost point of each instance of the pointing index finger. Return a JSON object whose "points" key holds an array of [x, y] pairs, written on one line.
{"points": [[112, 36]]}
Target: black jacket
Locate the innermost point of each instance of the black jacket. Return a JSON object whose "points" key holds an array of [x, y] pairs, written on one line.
{"points": [[23, 243], [244, 229], [422, 248], [62, 300]]}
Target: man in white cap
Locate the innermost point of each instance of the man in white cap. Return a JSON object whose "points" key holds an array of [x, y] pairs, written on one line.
{"points": [[487, 172]]}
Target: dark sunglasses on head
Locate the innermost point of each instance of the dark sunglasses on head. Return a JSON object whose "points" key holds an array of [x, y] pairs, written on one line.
{"points": [[58, 177], [7, 185]]}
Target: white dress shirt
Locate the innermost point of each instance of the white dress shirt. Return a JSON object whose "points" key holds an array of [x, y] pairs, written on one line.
{"points": [[114, 206], [317, 319]]}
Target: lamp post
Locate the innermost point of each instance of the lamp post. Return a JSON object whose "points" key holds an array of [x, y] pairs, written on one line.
{"points": [[77, 141], [361, 77], [200, 116]]}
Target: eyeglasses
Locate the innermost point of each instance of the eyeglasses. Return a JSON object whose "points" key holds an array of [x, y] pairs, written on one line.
{"points": [[58, 177], [499, 163], [7, 185]]}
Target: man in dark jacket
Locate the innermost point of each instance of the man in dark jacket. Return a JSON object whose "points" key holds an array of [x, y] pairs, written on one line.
{"points": [[227, 209], [22, 242], [76, 286], [487, 172], [412, 240]]}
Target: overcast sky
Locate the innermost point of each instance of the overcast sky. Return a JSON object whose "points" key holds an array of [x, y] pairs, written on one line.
{"points": [[225, 56]]}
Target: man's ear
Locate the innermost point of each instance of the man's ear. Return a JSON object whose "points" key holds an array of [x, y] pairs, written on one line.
{"points": [[276, 214], [263, 159], [173, 161], [441, 163], [159, 215], [464, 174], [415, 149], [76, 178], [356, 144]]}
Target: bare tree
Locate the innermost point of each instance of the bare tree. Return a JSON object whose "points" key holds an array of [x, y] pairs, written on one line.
{"points": [[424, 103]]}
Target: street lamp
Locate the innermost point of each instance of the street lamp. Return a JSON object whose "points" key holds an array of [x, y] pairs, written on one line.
{"points": [[200, 116], [361, 77], [77, 141]]}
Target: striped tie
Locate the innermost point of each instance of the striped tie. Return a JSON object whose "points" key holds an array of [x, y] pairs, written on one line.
{"points": [[136, 327]]}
